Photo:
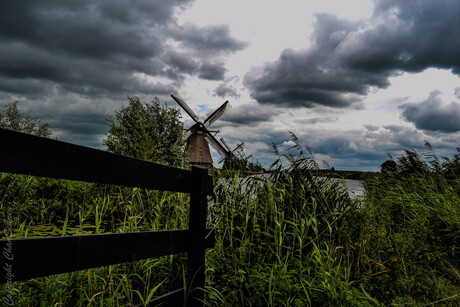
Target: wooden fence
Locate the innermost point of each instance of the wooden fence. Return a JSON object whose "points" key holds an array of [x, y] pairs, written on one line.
{"points": [[29, 258]]}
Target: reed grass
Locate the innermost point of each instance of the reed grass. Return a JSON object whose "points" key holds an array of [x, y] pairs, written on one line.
{"points": [[286, 238]]}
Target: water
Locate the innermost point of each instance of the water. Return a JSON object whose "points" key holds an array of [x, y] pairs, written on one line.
{"points": [[355, 187]]}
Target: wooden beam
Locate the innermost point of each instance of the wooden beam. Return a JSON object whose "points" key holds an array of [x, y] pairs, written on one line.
{"points": [[32, 155], [30, 258]]}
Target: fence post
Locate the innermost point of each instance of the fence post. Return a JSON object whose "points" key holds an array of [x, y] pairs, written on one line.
{"points": [[197, 227]]}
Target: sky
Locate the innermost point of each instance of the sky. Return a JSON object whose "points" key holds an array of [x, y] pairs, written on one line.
{"points": [[353, 80]]}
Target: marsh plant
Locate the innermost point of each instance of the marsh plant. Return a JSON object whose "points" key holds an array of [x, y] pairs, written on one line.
{"points": [[283, 238]]}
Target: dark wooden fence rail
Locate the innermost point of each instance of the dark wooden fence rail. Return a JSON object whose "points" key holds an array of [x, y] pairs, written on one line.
{"points": [[29, 258]]}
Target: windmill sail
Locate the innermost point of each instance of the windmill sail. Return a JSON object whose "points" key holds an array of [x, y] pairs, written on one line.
{"points": [[184, 106], [218, 113], [188, 133], [225, 144], [215, 144]]}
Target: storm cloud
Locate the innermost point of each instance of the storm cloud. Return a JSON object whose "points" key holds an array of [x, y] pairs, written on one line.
{"points": [[249, 114], [348, 58], [53, 53], [210, 39], [432, 115]]}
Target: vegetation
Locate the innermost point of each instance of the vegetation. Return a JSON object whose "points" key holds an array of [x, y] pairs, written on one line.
{"points": [[234, 163], [150, 132], [11, 118], [287, 238]]}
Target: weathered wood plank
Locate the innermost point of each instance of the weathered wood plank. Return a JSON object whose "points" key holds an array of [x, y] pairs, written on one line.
{"points": [[31, 155], [30, 258], [197, 226]]}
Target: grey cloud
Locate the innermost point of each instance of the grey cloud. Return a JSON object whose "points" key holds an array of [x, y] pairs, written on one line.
{"points": [[101, 51], [79, 75], [348, 58], [152, 11], [213, 38], [415, 36], [224, 90], [457, 92], [431, 115], [182, 62], [212, 71], [76, 30], [248, 115], [312, 77], [371, 127]]}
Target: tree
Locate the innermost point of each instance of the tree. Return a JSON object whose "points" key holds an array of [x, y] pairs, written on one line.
{"points": [[150, 132], [389, 166], [11, 118]]}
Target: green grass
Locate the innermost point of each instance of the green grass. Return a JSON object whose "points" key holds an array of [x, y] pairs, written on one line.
{"points": [[288, 239]]}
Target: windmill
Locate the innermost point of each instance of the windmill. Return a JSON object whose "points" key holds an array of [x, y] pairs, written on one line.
{"points": [[229, 154], [232, 158], [198, 137]]}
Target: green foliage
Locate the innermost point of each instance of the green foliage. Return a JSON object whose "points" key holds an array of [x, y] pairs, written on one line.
{"points": [[235, 163], [150, 132], [11, 118], [405, 239], [413, 163], [389, 166], [284, 238]]}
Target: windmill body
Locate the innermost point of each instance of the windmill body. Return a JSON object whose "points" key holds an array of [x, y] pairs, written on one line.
{"points": [[198, 137], [198, 152]]}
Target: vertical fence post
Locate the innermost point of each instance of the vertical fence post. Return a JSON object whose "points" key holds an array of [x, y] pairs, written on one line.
{"points": [[197, 226]]}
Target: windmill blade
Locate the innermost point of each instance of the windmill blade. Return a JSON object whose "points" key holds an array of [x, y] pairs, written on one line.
{"points": [[238, 147], [215, 144], [188, 133], [218, 113], [184, 106], [221, 160], [225, 144]]}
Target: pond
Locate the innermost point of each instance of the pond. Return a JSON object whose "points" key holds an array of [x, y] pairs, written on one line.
{"points": [[355, 187]]}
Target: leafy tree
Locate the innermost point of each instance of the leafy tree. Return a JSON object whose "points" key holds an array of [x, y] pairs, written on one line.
{"points": [[11, 118], [389, 166], [151, 132]]}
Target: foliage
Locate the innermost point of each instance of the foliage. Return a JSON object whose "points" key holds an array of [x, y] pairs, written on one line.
{"points": [[284, 238], [405, 238], [11, 118], [412, 162], [147, 131], [389, 166]]}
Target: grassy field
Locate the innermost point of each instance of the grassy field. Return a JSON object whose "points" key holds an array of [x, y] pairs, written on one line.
{"points": [[290, 239]]}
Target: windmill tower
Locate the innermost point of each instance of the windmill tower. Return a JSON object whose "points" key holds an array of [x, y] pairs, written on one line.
{"points": [[198, 137]]}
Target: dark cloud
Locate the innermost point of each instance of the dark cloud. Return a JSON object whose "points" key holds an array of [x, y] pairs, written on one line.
{"points": [[77, 29], [416, 35], [213, 38], [212, 71], [312, 77], [82, 47], [348, 58], [54, 52], [224, 90], [248, 114], [182, 62], [432, 115]]}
